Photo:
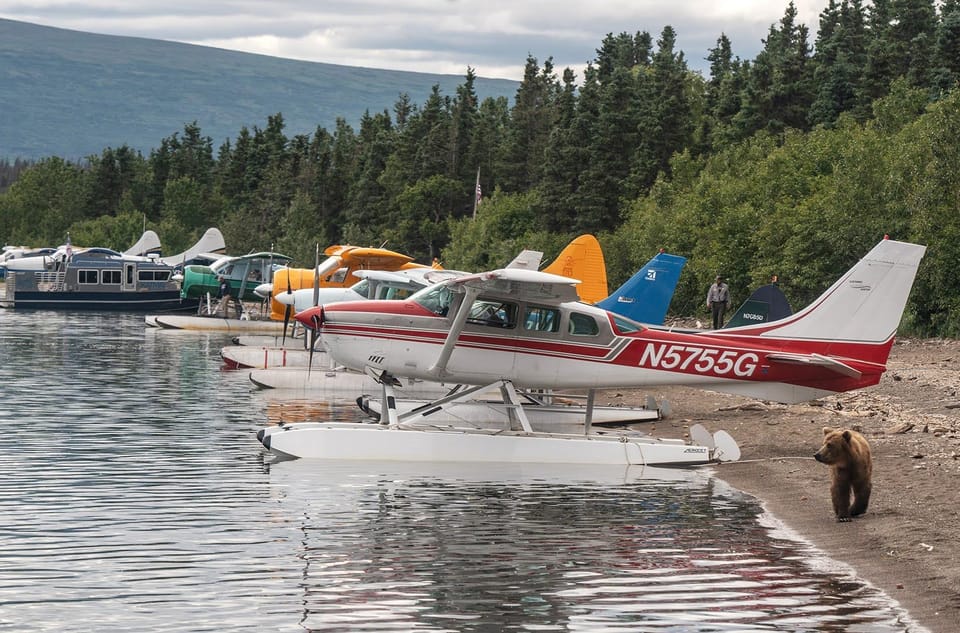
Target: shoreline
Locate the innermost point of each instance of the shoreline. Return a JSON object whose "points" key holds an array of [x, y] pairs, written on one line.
{"points": [[911, 583], [908, 542]]}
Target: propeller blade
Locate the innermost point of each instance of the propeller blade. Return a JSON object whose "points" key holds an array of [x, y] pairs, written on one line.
{"points": [[287, 310], [316, 320], [316, 277]]}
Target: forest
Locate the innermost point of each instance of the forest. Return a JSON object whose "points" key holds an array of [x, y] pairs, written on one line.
{"points": [[793, 163]]}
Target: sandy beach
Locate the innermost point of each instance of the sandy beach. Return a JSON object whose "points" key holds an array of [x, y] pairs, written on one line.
{"points": [[907, 543]]}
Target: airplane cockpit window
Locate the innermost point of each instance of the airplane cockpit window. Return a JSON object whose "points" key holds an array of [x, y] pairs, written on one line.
{"points": [[396, 293], [493, 313], [436, 299], [624, 326], [362, 288], [338, 276], [541, 319], [583, 325]]}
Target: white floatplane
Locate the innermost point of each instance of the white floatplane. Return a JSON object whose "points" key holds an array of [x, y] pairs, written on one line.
{"points": [[524, 328]]}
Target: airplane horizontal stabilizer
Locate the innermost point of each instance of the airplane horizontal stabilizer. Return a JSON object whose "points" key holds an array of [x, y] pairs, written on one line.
{"points": [[816, 359]]}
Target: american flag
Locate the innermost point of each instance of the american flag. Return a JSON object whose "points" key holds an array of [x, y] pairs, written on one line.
{"points": [[69, 247], [479, 193]]}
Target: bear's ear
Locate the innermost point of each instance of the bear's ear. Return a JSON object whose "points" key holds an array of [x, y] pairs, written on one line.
{"points": [[846, 436], [827, 430]]}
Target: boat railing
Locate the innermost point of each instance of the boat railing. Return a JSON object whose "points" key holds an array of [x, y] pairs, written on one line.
{"points": [[50, 281]]}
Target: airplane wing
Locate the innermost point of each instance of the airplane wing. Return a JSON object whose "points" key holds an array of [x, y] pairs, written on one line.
{"points": [[521, 283], [815, 359]]}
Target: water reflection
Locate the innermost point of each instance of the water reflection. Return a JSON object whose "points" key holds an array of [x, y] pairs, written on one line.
{"points": [[135, 497], [552, 549]]}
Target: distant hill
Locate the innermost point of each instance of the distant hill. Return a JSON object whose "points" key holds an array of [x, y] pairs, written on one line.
{"points": [[71, 94]]}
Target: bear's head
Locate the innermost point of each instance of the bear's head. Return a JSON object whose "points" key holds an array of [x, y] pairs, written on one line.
{"points": [[836, 446]]}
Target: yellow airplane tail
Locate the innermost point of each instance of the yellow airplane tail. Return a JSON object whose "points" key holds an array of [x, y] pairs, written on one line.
{"points": [[583, 259]]}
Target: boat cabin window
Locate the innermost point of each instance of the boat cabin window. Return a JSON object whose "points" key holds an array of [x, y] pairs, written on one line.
{"points": [[436, 299], [493, 313], [624, 326], [153, 275], [110, 277], [541, 319], [583, 325], [87, 277]]}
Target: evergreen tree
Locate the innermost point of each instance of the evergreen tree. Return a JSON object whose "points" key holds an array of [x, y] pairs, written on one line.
{"points": [[564, 159], [839, 62], [913, 38], [779, 91], [946, 73], [531, 120]]}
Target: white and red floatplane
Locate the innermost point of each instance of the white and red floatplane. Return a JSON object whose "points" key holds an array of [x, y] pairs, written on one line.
{"points": [[526, 329]]}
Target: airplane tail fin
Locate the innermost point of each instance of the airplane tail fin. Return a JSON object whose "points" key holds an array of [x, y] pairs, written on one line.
{"points": [[859, 314], [646, 296], [210, 243], [767, 303], [148, 243], [583, 259]]}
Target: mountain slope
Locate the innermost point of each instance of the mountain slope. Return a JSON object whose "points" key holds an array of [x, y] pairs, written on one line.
{"points": [[71, 94]]}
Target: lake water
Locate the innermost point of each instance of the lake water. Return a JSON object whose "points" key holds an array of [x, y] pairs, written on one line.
{"points": [[135, 497]]}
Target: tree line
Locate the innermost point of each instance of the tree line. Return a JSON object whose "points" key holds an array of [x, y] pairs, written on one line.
{"points": [[794, 163]]}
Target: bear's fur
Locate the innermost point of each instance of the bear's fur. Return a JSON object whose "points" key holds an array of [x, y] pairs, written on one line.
{"points": [[851, 467]]}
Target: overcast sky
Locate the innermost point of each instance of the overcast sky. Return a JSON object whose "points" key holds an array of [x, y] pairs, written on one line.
{"points": [[494, 37]]}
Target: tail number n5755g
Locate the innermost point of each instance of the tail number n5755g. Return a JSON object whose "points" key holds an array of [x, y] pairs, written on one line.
{"points": [[703, 360]]}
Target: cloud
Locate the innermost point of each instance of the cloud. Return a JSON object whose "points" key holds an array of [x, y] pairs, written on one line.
{"points": [[438, 36]]}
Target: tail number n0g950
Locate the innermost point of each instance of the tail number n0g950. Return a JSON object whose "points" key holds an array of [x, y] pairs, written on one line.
{"points": [[703, 360]]}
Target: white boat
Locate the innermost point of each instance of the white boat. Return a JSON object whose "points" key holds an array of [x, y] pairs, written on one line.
{"points": [[214, 324], [411, 443], [247, 356]]}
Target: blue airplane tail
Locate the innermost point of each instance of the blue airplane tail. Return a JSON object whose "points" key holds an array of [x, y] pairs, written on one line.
{"points": [[646, 296]]}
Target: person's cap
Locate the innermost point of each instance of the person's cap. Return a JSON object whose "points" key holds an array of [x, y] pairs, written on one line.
{"points": [[719, 276]]}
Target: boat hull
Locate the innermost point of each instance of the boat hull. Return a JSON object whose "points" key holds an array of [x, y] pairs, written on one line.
{"points": [[352, 441], [162, 302]]}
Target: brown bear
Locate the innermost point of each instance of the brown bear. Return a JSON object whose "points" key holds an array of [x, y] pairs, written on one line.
{"points": [[848, 455]]}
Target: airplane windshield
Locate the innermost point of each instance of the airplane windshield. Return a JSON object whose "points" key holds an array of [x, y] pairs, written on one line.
{"points": [[624, 326], [436, 299], [362, 288]]}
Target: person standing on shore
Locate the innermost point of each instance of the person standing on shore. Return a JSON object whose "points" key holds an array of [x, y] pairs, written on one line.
{"points": [[718, 300]]}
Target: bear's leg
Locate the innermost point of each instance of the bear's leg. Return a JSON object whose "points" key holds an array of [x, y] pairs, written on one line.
{"points": [[861, 499], [841, 499]]}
